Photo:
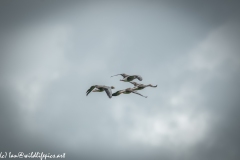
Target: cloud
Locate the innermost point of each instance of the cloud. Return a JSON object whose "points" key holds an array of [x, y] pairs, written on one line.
{"points": [[49, 65], [219, 48]]}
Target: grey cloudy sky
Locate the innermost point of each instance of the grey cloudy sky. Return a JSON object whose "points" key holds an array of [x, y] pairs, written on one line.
{"points": [[51, 52]]}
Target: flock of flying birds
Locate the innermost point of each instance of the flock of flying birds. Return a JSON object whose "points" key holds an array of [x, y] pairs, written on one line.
{"points": [[126, 78]]}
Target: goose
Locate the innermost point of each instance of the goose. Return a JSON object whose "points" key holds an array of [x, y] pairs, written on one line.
{"points": [[138, 86], [128, 78], [101, 88], [123, 75], [127, 91]]}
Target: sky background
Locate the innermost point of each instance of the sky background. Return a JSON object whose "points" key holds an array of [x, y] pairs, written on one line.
{"points": [[51, 52]]}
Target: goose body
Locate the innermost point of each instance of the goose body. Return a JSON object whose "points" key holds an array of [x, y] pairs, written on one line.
{"points": [[101, 88]]}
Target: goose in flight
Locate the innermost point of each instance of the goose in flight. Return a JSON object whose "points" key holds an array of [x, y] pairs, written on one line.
{"points": [[138, 86], [123, 75], [128, 78], [127, 91], [101, 88]]}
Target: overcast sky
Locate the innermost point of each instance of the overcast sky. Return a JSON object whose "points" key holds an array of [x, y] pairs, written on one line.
{"points": [[51, 52]]}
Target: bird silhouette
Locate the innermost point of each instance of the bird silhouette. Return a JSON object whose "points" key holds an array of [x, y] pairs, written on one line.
{"points": [[128, 78], [127, 91], [138, 86]]}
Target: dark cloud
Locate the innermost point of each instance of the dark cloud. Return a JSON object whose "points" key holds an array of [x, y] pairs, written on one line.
{"points": [[53, 51]]}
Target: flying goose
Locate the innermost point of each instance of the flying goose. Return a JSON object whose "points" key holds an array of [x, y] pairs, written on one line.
{"points": [[123, 75], [101, 88], [138, 86], [127, 91], [128, 78]]}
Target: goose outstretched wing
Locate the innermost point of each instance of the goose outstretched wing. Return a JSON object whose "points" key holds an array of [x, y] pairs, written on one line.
{"points": [[108, 90], [90, 89], [139, 94], [139, 77]]}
